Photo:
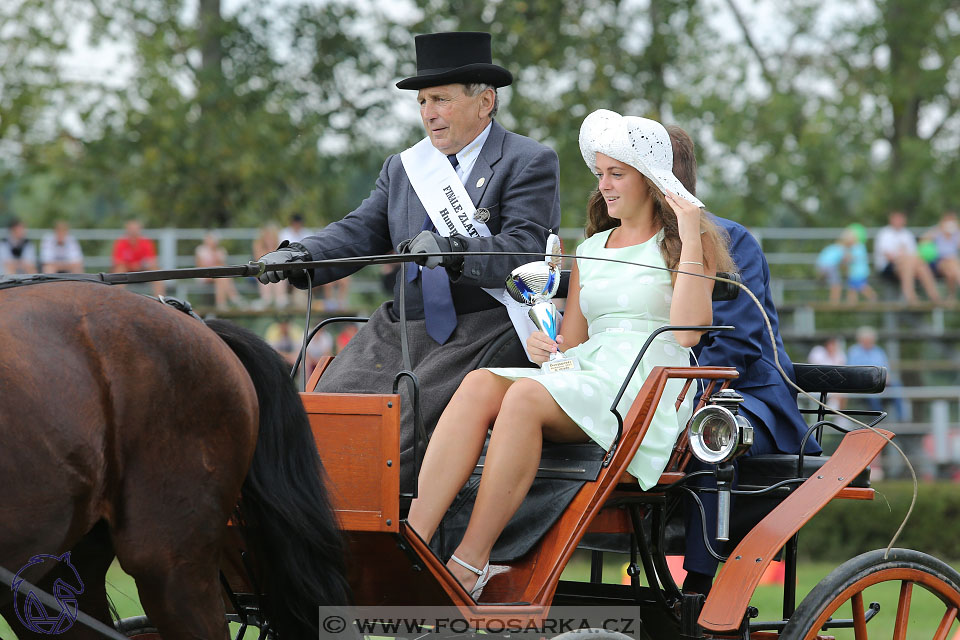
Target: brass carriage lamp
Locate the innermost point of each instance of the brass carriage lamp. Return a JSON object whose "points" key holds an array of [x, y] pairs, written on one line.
{"points": [[718, 434]]}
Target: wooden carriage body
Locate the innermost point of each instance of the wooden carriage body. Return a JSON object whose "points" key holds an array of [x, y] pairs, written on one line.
{"points": [[358, 440]]}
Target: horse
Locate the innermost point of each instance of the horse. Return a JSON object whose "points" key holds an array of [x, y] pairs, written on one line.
{"points": [[132, 430]]}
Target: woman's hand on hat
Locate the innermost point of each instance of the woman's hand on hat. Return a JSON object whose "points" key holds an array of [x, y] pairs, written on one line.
{"points": [[688, 214], [540, 346]]}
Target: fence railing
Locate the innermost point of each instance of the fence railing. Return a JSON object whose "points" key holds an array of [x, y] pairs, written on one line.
{"points": [[928, 431], [931, 414], [782, 246]]}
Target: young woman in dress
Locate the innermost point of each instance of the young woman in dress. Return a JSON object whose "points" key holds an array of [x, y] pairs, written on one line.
{"points": [[639, 213]]}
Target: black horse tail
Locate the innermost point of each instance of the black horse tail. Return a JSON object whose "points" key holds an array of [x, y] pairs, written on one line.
{"points": [[286, 514]]}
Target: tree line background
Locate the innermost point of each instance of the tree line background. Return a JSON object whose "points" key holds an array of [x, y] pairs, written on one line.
{"points": [[819, 114]]}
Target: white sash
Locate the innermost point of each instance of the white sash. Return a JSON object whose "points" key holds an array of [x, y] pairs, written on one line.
{"points": [[449, 206]]}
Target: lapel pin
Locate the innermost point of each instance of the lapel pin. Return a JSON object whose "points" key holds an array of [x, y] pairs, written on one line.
{"points": [[482, 214], [480, 182]]}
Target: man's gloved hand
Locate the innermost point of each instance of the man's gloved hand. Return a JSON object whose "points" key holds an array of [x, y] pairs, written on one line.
{"points": [[286, 252], [432, 242]]}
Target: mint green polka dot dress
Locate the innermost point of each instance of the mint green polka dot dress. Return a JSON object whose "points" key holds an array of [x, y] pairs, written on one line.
{"points": [[622, 304]]}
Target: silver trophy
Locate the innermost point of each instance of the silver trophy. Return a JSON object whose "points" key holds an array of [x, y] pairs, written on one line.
{"points": [[534, 284]]}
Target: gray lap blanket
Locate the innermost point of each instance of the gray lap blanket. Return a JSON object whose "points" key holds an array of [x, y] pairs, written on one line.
{"points": [[563, 470], [372, 359]]}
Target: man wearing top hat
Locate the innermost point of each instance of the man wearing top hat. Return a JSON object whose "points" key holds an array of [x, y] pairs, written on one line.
{"points": [[486, 189]]}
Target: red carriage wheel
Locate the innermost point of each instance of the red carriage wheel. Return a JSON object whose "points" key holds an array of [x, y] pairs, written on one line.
{"points": [[839, 600]]}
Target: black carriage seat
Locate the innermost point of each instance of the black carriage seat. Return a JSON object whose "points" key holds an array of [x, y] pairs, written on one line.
{"points": [[763, 470], [815, 378]]}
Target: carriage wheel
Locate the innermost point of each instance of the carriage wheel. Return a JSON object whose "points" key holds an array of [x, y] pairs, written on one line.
{"points": [[139, 627], [840, 596]]}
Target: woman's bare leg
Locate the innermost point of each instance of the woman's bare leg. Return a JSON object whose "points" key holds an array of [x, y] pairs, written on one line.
{"points": [[455, 448], [528, 413], [950, 268], [905, 267], [925, 276]]}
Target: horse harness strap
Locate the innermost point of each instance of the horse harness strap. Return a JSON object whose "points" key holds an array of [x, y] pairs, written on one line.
{"points": [[179, 305]]}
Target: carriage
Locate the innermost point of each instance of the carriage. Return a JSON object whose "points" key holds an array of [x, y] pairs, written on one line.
{"points": [[357, 437]]}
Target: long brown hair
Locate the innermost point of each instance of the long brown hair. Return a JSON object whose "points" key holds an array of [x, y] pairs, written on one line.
{"points": [[684, 157], [718, 256]]}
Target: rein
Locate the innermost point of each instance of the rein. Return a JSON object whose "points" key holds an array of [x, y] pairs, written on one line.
{"points": [[254, 268]]}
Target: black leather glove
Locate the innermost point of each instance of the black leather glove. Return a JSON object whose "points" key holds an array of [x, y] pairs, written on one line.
{"points": [[286, 252], [432, 242]]}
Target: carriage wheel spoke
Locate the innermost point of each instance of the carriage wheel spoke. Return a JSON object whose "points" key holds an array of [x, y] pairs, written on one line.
{"points": [[945, 623], [859, 617], [903, 611]]}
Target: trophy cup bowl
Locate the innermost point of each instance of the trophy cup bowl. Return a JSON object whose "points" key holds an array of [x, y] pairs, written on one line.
{"points": [[534, 284]]}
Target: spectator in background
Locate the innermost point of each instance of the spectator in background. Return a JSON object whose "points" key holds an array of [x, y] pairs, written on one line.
{"points": [[830, 260], [344, 337], [295, 232], [275, 293], [895, 257], [334, 293], [287, 339], [858, 264], [946, 241], [17, 254], [830, 354], [211, 254], [866, 351], [847, 259], [133, 252], [60, 252]]}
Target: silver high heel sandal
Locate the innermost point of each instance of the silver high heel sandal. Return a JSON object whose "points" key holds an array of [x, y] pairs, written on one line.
{"points": [[482, 579]]}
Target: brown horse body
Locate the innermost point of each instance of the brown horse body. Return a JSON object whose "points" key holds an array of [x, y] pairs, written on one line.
{"points": [[128, 428]]}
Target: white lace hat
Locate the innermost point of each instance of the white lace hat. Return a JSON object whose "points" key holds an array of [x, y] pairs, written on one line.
{"points": [[639, 142]]}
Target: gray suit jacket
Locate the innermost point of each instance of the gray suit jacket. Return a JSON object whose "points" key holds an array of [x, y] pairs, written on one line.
{"points": [[520, 189]]}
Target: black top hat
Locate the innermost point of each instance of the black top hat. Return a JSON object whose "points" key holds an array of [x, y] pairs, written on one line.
{"points": [[458, 56]]}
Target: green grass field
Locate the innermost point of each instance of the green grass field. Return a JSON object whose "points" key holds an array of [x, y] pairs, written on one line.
{"points": [[926, 610]]}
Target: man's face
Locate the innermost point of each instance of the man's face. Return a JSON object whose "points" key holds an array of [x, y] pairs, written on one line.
{"points": [[133, 229], [898, 220], [451, 117]]}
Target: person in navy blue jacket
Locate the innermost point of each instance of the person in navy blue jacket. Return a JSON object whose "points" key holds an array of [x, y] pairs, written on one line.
{"points": [[768, 402]]}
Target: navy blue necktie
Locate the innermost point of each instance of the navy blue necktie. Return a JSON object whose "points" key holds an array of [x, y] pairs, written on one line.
{"points": [[440, 316]]}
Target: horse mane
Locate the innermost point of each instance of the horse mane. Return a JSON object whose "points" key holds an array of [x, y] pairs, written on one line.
{"points": [[284, 508]]}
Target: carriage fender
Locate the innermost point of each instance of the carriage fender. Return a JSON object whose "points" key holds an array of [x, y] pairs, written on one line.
{"points": [[728, 599]]}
